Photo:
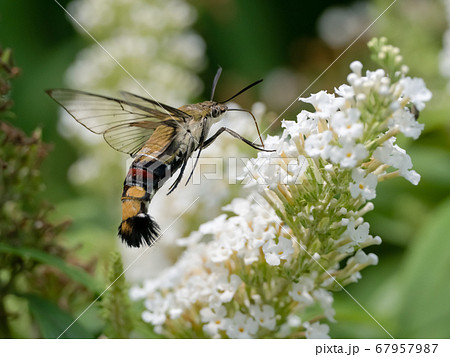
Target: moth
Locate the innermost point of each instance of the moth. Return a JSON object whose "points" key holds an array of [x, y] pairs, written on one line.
{"points": [[159, 137]]}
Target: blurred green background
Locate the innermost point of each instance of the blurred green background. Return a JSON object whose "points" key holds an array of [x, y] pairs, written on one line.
{"points": [[289, 44]]}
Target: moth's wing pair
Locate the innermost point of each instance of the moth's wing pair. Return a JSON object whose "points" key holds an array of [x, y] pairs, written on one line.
{"points": [[126, 124]]}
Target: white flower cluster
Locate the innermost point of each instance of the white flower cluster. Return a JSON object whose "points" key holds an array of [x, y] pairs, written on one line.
{"points": [[341, 134], [269, 268], [252, 240], [151, 39]]}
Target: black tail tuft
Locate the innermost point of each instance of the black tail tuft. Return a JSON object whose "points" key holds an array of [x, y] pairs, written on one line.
{"points": [[139, 230]]}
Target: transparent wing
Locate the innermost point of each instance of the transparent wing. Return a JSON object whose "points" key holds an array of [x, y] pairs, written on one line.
{"points": [[129, 137], [125, 125], [145, 102]]}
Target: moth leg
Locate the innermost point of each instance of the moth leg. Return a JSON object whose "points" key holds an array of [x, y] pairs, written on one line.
{"points": [[180, 176], [200, 147], [201, 141], [236, 135]]}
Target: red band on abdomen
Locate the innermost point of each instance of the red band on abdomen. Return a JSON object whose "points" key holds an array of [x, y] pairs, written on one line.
{"points": [[133, 172]]}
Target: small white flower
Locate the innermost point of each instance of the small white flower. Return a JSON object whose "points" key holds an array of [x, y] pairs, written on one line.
{"points": [[260, 233], [239, 206], [265, 317], [363, 185], [318, 144], [156, 310], [154, 318], [348, 155], [345, 91], [225, 289], [347, 125], [306, 124], [358, 235], [406, 122], [362, 258], [294, 321], [316, 330], [325, 104], [412, 176], [214, 226], [241, 326], [275, 252], [356, 67], [301, 291], [215, 319], [416, 91], [395, 156], [325, 299], [220, 251], [296, 169], [355, 81]]}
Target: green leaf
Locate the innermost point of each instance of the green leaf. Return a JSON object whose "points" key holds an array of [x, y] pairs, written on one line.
{"points": [[75, 273], [53, 321], [116, 303], [425, 290]]}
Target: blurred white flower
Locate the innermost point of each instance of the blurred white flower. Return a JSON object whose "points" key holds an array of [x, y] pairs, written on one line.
{"points": [[301, 291], [339, 25], [316, 330], [241, 326], [264, 315], [215, 319], [416, 91], [325, 299]]}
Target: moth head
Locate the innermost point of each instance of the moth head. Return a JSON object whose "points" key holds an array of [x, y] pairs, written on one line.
{"points": [[217, 109], [211, 109]]}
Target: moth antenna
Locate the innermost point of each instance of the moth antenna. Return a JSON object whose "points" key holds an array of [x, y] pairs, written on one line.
{"points": [[242, 91], [254, 119], [216, 79]]}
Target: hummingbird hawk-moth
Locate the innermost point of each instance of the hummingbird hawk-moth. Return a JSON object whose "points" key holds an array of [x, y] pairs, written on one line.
{"points": [[159, 137]]}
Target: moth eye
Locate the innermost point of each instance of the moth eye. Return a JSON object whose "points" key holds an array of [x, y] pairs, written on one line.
{"points": [[215, 112]]}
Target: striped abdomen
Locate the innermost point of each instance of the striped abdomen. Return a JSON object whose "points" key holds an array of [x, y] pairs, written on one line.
{"points": [[147, 174]]}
